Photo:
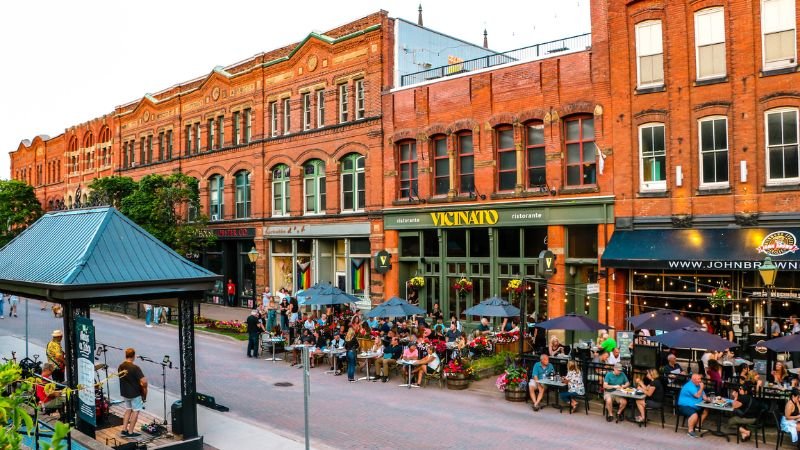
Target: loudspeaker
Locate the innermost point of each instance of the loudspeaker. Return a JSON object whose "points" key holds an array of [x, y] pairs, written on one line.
{"points": [[177, 417]]}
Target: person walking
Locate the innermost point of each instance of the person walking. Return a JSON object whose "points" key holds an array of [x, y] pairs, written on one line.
{"points": [[156, 314], [2, 305], [148, 315], [133, 388], [55, 355], [231, 289], [13, 302]]}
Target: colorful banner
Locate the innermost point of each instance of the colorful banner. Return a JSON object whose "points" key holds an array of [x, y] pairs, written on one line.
{"points": [[84, 337], [359, 273], [303, 276]]}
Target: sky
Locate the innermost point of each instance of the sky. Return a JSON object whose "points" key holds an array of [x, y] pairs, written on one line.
{"points": [[64, 63]]}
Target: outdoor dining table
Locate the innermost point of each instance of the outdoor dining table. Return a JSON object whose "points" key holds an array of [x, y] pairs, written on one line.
{"points": [[720, 408], [631, 395], [367, 356], [299, 347], [409, 363], [274, 341], [556, 383], [333, 353]]}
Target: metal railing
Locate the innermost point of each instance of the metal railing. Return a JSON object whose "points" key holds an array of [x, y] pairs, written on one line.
{"points": [[531, 53]]}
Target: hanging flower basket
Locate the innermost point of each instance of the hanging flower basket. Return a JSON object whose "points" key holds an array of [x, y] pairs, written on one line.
{"points": [[719, 296], [463, 287], [416, 282]]}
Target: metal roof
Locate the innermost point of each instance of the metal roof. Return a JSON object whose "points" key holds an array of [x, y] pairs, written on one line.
{"points": [[97, 249]]}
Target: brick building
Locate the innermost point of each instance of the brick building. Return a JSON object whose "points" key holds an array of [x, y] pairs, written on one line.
{"points": [[706, 172]]}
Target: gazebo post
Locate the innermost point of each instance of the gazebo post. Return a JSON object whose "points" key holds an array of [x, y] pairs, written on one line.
{"points": [[188, 376]]}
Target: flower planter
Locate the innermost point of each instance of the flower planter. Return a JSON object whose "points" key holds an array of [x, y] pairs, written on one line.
{"points": [[516, 395], [457, 382]]}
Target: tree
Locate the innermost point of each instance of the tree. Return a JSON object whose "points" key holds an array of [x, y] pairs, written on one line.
{"points": [[19, 208], [111, 190]]}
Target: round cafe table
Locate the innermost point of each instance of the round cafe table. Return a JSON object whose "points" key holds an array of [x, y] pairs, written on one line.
{"points": [[333, 354], [274, 340], [367, 356], [410, 364]]}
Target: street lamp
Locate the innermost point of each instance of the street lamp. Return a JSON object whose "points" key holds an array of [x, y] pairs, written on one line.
{"points": [[768, 272], [253, 255]]}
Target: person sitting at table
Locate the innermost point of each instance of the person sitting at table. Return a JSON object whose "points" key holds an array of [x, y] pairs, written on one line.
{"points": [[653, 390], [714, 373], [691, 393], [323, 320], [454, 319], [452, 334], [373, 322], [672, 368], [541, 370], [391, 353], [614, 357], [601, 357], [746, 410], [746, 375], [791, 415], [337, 344], [54, 400], [306, 338], [428, 364], [708, 356], [607, 342], [439, 328], [411, 353], [613, 380], [309, 323], [555, 348], [574, 382], [779, 374], [377, 346], [483, 327], [461, 345], [402, 328]]}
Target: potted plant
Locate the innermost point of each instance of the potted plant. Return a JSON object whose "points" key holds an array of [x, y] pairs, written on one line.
{"points": [[513, 383], [457, 374], [416, 282], [462, 287], [514, 287]]}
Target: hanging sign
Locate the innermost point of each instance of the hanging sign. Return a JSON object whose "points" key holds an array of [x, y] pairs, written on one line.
{"points": [[547, 263], [592, 288], [383, 262], [84, 337], [736, 318]]}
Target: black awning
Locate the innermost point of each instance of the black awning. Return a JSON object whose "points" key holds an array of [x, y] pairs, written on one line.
{"points": [[703, 249]]}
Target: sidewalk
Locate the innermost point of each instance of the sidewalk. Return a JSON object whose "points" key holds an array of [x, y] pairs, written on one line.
{"points": [[225, 313], [219, 430]]}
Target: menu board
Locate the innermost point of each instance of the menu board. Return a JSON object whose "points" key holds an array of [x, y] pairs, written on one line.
{"points": [[624, 340]]}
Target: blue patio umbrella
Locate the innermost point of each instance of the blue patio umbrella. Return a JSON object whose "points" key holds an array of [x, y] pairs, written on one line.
{"points": [[573, 322], [663, 319], [395, 307], [493, 307], [790, 343], [328, 296], [307, 293], [693, 337]]}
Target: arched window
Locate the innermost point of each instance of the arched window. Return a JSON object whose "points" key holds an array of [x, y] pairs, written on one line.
{"points": [[216, 199], [353, 198], [280, 190], [506, 158], [242, 194], [314, 187], [407, 167]]}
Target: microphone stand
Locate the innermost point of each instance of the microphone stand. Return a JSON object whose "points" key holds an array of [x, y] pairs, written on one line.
{"points": [[164, 364]]}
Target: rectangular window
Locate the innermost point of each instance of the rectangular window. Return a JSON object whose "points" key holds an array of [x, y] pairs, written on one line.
{"points": [[307, 111], [535, 156], [273, 116], [466, 164], [210, 135], [320, 108], [169, 144], [709, 36], [652, 158], [649, 54], [441, 166], [125, 155], [714, 152], [197, 137], [161, 146], [506, 160], [361, 106], [407, 156], [782, 151], [236, 128], [287, 116], [342, 103], [149, 149], [188, 149], [220, 131], [778, 27], [248, 126], [143, 150], [581, 156]]}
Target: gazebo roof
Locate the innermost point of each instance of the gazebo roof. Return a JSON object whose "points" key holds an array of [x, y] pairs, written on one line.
{"points": [[97, 254]]}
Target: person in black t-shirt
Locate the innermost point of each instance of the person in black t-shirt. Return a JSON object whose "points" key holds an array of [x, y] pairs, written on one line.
{"points": [[653, 390], [133, 388], [254, 327], [746, 410]]}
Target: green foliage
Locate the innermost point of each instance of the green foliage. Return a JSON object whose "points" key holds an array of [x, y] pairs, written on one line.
{"points": [[494, 363], [111, 190], [19, 208], [14, 410]]}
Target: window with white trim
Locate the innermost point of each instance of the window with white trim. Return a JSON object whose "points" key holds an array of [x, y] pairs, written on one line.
{"points": [[649, 54], [237, 128], [783, 163], [709, 41], [216, 198], [343, 103], [361, 106], [306, 111], [287, 116], [220, 131], [353, 183], [242, 194], [314, 187], [407, 165], [210, 143], [273, 116], [652, 158], [713, 152], [320, 108], [778, 28], [248, 125], [280, 190]]}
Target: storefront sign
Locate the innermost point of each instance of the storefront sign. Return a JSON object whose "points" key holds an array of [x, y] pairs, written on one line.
{"points": [[547, 263], [592, 288], [84, 338], [353, 229], [383, 262], [234, 233], [736, 318], [778, 243], [462, 218]]}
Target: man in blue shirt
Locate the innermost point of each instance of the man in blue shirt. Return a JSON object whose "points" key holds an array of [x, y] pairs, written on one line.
{"points": [[612, 381], [541, 370], [691, 394]]}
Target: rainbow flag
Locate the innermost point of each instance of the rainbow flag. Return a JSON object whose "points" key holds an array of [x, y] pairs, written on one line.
{"points": [[303, 275], [359, 273]]}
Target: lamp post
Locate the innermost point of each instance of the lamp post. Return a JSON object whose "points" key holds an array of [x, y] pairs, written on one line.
{"points": [[252, 255], [768, 272]]}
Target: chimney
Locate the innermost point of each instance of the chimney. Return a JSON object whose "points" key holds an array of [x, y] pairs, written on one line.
{"points": [[419, 19], [485, 39]]}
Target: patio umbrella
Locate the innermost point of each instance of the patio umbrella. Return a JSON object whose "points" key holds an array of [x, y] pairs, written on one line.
{"points": [[328, 296], [693, 337], [790, 343], [573, 322], [662, 319], [493, 307], [306, 293], [395, 307]]}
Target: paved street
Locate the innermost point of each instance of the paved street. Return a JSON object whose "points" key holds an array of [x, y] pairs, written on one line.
{"points": [[360, 415]]}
